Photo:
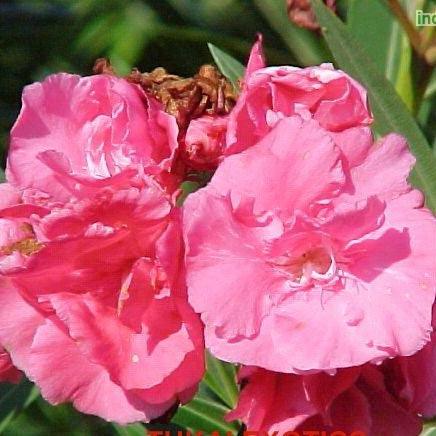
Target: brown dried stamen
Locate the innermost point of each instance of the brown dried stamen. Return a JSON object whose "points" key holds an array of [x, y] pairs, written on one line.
{"points": [[26, 246]]}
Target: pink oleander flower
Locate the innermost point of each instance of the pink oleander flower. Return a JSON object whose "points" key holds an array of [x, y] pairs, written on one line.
{"points": [[93, 302], [204, 142], [329, 96], [413, 379], [354, 401], [305, 256], [8, 373], [99, 315], [389, 399], [87, 128]]}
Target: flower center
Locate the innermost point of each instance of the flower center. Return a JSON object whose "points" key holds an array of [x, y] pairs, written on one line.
{"points": [[314, 264]]}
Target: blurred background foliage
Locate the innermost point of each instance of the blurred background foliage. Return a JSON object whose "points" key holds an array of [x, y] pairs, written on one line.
{"points": [[39, 37]]}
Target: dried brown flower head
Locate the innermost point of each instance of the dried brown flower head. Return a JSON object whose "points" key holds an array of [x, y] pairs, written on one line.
{"points": [[103, 66], [208, 92]]}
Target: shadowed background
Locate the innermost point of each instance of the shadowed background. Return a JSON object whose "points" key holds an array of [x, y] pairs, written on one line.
{"points": [[39, 37]]}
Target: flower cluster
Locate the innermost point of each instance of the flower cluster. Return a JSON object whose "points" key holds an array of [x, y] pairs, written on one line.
{"points": [[93, 300], [308, 259]]}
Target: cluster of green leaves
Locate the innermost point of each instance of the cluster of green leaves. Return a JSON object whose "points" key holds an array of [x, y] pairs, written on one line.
{"points": [[365, 40]]}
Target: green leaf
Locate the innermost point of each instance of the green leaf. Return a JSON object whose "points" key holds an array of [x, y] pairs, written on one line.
{"points": [[204, 414], [14, 399], [229, 67], [426, 118], [130, 430], [187, 187], [140, 430], [404, 84], [43, 419], [383, 42], [429, 429], [409, 74], [391, 114], [303, 44], [221, 379], [430, 92], [2, 175]]}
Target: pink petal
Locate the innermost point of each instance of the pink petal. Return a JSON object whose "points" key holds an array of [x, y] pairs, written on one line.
{"points": [[294, 166], [256, 60], [85, 383], [272, 402], [19, 322], [221, 270], [384, 171], [99, 124], [388, 417]]}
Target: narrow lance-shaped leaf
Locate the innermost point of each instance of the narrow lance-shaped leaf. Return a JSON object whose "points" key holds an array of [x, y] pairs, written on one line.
{"points": [[229, 67], [429, 429], [139, 429], [129, 430], [386, 43], [430, 92], [383, 42], [221, 379], [206, 415], [14, 399], [391, 115]]}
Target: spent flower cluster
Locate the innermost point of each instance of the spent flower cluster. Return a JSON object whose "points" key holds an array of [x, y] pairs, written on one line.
{"points": [[308, 259]]}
